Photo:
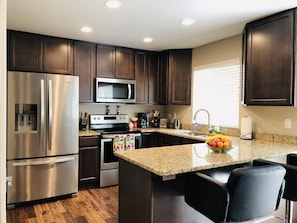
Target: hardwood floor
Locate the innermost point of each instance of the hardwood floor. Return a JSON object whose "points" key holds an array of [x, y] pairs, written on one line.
{"points": [[99, 205]]}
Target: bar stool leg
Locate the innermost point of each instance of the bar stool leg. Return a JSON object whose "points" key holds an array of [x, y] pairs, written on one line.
{"points": [[289, 211]]}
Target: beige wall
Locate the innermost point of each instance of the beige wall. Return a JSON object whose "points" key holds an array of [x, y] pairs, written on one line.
{"points": [[266, 119]]}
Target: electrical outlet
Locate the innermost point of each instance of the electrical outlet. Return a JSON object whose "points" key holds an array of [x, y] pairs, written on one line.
{"points": [[288, 123]]}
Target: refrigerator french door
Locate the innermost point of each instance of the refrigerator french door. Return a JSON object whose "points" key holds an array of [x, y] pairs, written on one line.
{"points": [[42, 136]]}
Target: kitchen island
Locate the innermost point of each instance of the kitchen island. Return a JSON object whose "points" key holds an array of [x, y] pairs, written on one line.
{"points": [[151, 180]]}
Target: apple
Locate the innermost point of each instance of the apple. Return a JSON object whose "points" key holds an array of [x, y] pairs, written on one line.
{"points": [[227, 144]]}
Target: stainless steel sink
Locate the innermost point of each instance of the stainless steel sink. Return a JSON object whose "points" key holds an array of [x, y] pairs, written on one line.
{"points": [[196, 134]]}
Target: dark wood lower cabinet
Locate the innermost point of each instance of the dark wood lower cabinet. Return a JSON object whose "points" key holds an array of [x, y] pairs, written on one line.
{"points": [[154, 139], [88, 162]]}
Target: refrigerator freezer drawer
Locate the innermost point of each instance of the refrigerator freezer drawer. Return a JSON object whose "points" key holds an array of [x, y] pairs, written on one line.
{"points": [[40, 178]]}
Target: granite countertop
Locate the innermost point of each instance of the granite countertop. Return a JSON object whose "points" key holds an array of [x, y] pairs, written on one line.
{"points": [[172, 160], [88, 133]]}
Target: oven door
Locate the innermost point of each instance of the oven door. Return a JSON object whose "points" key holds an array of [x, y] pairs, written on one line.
{"points": [[107, 159]]}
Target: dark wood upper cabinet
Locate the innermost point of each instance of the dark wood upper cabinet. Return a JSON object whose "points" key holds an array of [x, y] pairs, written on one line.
{"points": [[24, 51], [57, 55], [141, 77], [146, 76], [153, 82], [268, 58], [125, 63], [84, 67], [105, 61], [176, 72], [38, 53], [115, 62]]}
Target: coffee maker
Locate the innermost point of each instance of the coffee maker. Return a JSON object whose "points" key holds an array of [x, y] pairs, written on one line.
{"points": [[143, 120], [155, 120]]}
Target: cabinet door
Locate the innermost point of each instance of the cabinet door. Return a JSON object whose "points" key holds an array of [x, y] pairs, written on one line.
{"points": [[163, 78], [125, 63], [148, 140], [84, 67], [57, 55], [105, 61], [180, 71], [269, 64], [153, 84], [169, 140], [88, 167], [141, 77], [24, 52]]}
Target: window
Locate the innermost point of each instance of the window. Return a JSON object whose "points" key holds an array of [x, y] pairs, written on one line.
{"points": [[216, 89]]}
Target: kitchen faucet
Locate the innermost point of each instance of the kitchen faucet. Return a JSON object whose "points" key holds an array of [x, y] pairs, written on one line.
{"points": [[208, 118]]}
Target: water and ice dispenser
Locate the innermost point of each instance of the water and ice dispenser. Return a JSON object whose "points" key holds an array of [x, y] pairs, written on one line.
{"points": [[25, 118]]}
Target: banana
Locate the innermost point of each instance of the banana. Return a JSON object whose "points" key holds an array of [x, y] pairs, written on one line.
{"points": [[217, 136]]}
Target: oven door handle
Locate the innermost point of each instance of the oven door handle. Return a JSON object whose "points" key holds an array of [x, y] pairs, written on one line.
{"points": [[111, 136]]}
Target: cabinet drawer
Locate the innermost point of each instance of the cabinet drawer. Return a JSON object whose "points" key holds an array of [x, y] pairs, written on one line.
{"points": [[88, 141]]}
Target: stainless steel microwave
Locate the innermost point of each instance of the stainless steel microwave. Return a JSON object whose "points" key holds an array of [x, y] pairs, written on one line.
{"points": [[115, 90]]}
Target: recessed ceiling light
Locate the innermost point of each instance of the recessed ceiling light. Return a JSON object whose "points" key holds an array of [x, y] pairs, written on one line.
{"points": [[147, 39], [113, 4], [187, 22], [86, 29]]}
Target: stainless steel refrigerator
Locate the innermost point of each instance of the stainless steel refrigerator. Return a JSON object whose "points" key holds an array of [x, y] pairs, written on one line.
{"points": [[42, 136]]}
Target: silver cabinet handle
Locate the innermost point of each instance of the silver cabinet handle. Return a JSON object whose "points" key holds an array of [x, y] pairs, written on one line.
{"points": [[41, 162]]}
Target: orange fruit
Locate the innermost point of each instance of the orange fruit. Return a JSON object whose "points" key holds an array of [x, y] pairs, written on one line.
{"points": [[220, 144]]}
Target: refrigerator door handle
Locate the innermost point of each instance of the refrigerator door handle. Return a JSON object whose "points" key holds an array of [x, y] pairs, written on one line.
{"points": [[50, 113], [42, 115], [46, 162]]}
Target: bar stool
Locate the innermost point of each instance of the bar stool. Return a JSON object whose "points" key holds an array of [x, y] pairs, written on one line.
{"points": [[250, 193], [290, 191]]}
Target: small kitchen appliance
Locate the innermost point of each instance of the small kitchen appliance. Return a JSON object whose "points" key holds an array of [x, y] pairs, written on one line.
{"points": [[155, 120], [163, 122], [143, 120], [83, 121], [176, 124]]}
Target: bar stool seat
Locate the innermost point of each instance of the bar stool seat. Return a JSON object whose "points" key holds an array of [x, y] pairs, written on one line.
{"points": [[290, 191], [250, 193]]}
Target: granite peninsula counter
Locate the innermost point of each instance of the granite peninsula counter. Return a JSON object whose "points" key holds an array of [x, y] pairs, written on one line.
{"points": [[172, 160], [151, 180]]}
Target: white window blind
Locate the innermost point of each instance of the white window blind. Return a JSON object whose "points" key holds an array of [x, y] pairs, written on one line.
{"points": [[216, 88]]}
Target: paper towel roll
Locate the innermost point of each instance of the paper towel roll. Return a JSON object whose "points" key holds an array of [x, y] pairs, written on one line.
{"points": [[246, 128]]}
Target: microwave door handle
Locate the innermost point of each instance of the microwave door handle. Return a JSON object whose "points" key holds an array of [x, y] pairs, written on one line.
{"points": [[129, 91], [42, 115], [50, 113]]}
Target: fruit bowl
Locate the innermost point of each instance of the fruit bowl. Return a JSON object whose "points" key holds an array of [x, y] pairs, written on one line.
{"points": [[219, 150], [219, 143]]}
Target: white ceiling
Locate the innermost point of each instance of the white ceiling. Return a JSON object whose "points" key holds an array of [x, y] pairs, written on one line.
{"points": [[136, 19]]}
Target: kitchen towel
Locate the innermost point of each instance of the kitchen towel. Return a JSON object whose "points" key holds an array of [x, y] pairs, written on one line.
{"points": [[246, 128], [129, 142], [123, 142], [119, 142]]}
